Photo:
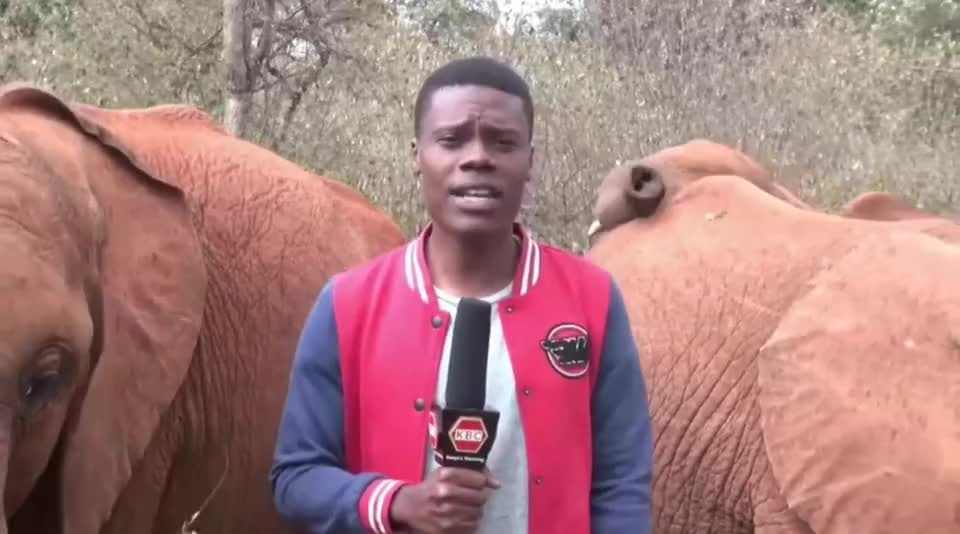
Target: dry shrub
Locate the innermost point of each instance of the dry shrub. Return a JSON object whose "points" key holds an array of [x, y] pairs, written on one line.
{"points": [[832, 111], [121, 53]]}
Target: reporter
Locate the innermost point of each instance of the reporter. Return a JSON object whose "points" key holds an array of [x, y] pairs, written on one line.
{"points": [[574, 449]]}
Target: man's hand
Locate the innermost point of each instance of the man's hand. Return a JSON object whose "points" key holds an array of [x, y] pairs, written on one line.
{"points": [[449, 501]]}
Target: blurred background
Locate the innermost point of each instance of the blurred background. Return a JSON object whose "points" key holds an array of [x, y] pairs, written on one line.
{"points": [[835, 97]]}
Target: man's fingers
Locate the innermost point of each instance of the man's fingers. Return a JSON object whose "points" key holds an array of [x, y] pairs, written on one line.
{"points": [[491, 481], [455, 517], [452, 493], [459, 513], [467, 478]]}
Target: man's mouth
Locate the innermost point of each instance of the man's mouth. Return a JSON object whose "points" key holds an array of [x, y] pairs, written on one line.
{"points": [[481, 191]]}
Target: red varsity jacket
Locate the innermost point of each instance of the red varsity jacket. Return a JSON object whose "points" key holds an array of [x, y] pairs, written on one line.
{"points": [[356, 421]]}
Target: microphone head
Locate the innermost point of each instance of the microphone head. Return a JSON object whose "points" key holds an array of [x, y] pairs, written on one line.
{"points": [[467, 373]]}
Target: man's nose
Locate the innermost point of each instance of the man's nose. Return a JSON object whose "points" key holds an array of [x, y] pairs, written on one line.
{"points": [[476, 156]]}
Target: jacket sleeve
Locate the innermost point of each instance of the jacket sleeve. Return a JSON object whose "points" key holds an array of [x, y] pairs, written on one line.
{"points": [[622, 434], [311, 488]]}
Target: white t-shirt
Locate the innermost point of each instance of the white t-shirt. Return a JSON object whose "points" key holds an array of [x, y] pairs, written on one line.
{"points": [[506, 509]]}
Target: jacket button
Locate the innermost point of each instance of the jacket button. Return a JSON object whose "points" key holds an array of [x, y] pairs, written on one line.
{"points": [[419, 405], [539, 481], [527, 392], [509, 309], [437, 321]]}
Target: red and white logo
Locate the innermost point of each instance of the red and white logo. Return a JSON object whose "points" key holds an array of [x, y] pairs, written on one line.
{"points": [[567, 347], [468, 434]]}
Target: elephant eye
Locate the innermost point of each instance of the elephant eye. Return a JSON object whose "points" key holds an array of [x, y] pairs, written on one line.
{"points": [[42, 380]]}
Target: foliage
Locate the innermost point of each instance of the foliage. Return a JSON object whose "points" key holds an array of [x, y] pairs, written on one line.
{"points": [[121, 52], [924, 22], [831, 108], [448, 19]]}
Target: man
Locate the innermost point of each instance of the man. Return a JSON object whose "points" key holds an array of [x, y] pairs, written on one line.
{"points": [[574, 450]]}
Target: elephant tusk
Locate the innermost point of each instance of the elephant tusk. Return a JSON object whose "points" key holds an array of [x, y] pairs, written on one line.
{"points": [[595, 227], [188, 526]]}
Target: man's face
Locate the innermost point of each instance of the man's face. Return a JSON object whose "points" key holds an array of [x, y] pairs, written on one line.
{"points": [[474, 156]]}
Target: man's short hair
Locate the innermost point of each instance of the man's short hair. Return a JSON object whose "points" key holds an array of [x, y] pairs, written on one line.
{"points": [[481, 70]]}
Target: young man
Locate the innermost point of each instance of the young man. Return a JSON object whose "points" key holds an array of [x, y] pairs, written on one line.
{"points": [[573, 451]]}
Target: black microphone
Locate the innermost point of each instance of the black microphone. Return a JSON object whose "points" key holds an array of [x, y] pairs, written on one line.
{"points": [[462, 431]]}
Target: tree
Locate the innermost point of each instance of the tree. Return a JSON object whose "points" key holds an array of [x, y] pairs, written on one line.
{"points": [[237, 94], [281, 46]]}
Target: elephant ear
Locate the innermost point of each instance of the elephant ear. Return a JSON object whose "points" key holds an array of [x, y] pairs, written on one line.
{"points": [[152, 287], [858, 391], [629, 191]]}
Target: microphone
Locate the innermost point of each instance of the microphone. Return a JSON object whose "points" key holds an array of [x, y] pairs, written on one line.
{"points": [[462, 431]]}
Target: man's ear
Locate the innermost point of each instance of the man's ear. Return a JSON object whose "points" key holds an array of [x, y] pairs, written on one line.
{"points": [[533, 150], [414, 153]]}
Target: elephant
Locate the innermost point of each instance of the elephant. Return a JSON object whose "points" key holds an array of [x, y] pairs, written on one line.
{"points": [[156, 273], [883, 206], [898, 211], [639, 186], [803, 367], [880, 206]]}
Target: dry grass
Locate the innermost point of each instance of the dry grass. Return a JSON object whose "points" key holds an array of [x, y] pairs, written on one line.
{"points": [[834, 112]]}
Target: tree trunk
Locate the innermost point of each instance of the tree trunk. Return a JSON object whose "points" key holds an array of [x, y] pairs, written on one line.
{"points": [[237, 95]]}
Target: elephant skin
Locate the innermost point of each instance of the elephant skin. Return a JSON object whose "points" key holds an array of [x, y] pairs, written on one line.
{"points": [[155, 276], [803, 367], [879, 206], [898, 211]]}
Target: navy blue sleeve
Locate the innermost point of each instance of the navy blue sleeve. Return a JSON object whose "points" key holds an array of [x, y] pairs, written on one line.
{"points": [[622, 433], [311, 488]]}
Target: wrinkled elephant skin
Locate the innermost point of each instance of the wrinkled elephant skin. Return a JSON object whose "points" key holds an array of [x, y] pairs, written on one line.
{"points": [[156, 272], [780, 342]]}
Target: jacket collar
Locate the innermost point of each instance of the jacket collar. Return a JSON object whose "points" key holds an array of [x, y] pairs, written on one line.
{"points": [[418, 277]]}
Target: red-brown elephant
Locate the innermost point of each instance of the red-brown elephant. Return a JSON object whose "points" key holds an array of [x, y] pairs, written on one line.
{"points": [[155, 275], [879, 206], [803, 367], [639, 187], [898, 211]]}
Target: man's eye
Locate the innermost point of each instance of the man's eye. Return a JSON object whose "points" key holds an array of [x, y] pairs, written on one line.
{"points": [[448, 141]]}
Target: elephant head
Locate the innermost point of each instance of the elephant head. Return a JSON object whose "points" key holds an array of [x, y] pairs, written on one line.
{"points": [[640, 188], [102, 289]]}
